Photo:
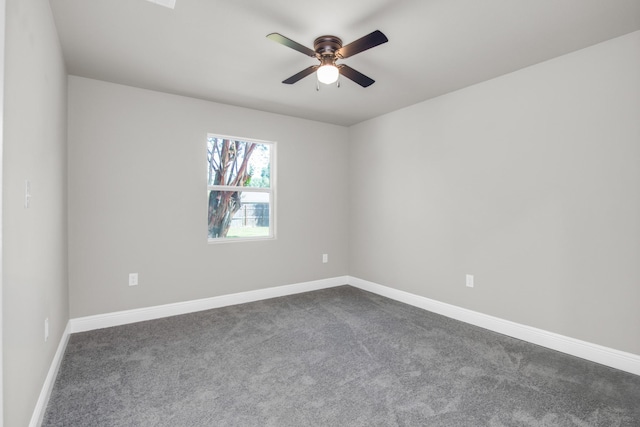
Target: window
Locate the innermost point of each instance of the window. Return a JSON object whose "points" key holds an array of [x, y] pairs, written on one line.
{"points": [[240, 189]]}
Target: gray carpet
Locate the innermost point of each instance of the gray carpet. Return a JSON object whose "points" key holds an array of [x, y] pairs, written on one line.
{"points": [[335, 357]]}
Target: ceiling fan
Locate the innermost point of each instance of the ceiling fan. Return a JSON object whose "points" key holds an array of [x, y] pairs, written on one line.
{"points": [[328, 49]]}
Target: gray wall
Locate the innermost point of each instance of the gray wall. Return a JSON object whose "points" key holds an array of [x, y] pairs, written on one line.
{"points": [[530, 181], [138, 203], [34, 239]]}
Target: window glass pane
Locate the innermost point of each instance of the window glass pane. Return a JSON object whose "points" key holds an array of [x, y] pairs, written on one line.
{"points": [[240, 188], [234, 214], [238, 163]]}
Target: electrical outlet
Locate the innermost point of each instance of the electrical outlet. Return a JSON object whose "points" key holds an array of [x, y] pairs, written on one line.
{"points": [[46, 329], [133, 279], [469, 281], [325, 258]]}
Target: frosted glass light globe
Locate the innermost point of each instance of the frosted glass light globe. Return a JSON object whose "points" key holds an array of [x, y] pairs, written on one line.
{"points": [[328, 74]]}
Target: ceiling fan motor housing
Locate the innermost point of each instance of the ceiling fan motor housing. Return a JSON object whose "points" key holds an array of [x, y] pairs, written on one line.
{"points": [[327, 45]]}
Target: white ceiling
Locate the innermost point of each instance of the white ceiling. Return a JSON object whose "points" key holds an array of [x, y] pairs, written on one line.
{"points": [[217, 49]]}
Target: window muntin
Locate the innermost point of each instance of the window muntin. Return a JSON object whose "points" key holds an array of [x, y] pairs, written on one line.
{"points": [[240, 189]]}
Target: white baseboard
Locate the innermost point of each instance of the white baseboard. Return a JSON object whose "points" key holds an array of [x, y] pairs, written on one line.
{"points": [[606, 356], [107, 320], [627, 362], [47, 387]]}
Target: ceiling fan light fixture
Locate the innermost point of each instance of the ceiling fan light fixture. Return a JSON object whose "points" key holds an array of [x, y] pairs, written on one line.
{"points": [[328, 74]]}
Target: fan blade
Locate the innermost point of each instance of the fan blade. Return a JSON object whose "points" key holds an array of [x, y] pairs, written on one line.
{"points": [[356, 76], [301, 75], [279, 38], [367, 42]]}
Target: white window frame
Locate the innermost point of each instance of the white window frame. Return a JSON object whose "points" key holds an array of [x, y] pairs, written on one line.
{"points": [[271, 191]]}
